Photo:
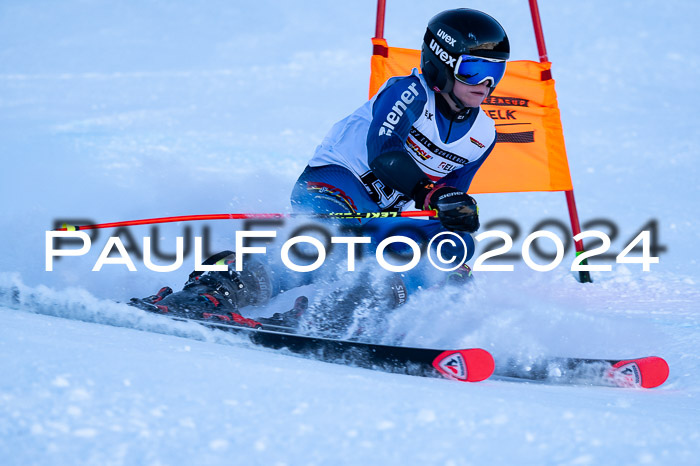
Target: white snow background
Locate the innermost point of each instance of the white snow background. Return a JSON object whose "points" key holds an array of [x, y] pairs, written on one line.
{"points": [[123, 110]]}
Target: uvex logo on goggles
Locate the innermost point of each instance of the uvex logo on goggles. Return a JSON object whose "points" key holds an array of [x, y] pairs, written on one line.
{"points": [[476, 70]]}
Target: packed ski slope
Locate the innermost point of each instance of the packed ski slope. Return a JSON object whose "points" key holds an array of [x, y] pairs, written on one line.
{"points": [[114, 111]]}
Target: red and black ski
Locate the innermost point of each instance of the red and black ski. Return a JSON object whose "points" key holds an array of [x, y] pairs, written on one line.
{"points": [[646, 372], [464, 365]]}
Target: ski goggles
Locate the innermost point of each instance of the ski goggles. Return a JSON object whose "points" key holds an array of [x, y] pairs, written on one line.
{"points": [[473, 70]]}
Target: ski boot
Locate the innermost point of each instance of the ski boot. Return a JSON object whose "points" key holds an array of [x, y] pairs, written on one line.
{"points": [[214, 295], [287, 321]]}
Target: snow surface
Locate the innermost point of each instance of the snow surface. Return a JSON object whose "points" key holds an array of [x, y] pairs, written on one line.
{"points": [[115, 111]]}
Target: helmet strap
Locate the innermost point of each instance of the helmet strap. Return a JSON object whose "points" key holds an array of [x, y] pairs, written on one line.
{"points": [[450, 84], [446, 109], [456, 100]]}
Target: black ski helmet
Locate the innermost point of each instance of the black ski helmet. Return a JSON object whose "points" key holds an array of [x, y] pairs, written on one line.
{"points": [[457, 32]]}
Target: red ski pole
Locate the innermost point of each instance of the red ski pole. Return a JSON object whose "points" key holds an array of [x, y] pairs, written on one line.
{"points": [[191, 218]]}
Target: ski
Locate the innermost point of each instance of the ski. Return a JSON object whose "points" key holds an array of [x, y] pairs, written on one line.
{"points": [[645, 372], [467, 365], [280, 332], [463, 365]]}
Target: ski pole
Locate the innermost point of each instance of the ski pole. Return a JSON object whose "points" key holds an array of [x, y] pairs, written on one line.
{"points": [[190, 218]]}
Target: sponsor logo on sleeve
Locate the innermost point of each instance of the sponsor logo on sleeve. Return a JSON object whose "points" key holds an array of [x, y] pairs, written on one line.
{"points": [[397, 111]]}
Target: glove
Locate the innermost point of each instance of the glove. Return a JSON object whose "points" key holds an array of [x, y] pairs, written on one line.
{"points": [[456, 209]]}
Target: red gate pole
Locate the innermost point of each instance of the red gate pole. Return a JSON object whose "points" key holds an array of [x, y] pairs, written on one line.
{"points": [[584, 277], [379, 48], [379, 27]]}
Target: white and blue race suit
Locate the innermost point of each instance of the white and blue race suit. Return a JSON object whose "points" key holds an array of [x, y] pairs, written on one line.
{"points": [[403, 116]]}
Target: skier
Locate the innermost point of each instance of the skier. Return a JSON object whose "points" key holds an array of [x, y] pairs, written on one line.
{"points": [[416, 144]]}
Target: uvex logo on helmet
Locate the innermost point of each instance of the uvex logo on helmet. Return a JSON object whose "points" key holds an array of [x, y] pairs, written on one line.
{"points": [[445, 57], [446, 37]]}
